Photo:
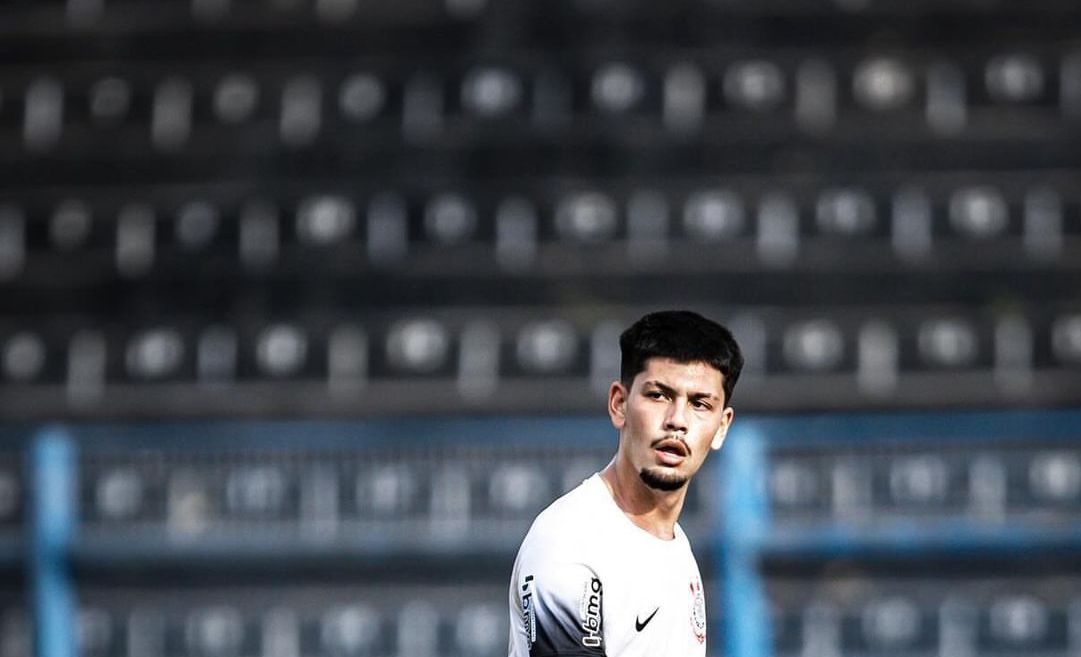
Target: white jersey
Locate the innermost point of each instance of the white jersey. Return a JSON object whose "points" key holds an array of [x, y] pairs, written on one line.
{"points": [[588, 581]]}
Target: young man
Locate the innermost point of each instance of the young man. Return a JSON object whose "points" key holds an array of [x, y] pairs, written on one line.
{"points": [[606, 569]]}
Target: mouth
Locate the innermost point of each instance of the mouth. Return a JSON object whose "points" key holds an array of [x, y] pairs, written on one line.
{"points": [[671, 451]]}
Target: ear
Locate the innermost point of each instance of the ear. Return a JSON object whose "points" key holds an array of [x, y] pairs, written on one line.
{"points": [[617, 404], [727, 415]]}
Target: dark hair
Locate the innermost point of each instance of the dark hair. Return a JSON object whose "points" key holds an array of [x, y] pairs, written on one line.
{"points": [[684, 337]]}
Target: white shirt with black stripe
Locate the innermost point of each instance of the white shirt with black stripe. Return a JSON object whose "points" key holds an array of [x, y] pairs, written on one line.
{"points": [[588, 582]]}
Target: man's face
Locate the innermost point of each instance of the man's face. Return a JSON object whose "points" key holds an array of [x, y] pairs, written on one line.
{"points": [[673, 414]]}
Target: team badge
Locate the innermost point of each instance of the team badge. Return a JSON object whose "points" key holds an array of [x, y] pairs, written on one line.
{"points": [[698, 610]]}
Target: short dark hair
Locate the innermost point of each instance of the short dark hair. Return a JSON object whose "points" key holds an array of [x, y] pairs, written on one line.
{"points": [[685, 337]]}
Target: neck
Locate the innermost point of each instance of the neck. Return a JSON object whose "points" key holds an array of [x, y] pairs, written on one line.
{"points": [[655, 511]]}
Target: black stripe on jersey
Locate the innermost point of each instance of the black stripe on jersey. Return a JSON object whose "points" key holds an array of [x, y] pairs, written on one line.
{"points": [[568, 627]]}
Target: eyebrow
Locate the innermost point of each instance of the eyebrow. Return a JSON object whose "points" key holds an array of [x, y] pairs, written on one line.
{"points": [[670, 390]]}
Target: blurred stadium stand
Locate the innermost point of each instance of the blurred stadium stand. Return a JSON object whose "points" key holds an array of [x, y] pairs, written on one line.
{"points": [[326, 295]]}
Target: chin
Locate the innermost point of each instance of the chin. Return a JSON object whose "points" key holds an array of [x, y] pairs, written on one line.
{"points": [[659, 479]]}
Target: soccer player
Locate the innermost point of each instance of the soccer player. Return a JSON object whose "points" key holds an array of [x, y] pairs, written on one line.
{"points": [[606, 569]]}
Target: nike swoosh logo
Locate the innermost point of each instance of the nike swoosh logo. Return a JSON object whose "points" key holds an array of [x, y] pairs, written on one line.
{"points": [[641, 625]]}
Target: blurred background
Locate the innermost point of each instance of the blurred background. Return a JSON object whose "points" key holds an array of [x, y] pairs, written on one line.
{"points": [[307, 307]]}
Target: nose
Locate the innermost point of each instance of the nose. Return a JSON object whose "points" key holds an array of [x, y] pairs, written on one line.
{"points": [[676, 419]]}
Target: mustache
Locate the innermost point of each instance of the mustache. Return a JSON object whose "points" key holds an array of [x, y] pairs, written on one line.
{"points": [[674, 437]]}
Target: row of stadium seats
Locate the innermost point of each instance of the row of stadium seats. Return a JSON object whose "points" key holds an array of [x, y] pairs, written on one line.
{"points": [[1025, 486], [227, 491], [150, 499], [868, 614], [995, 485], [255, 359], [878, 349], [116, 15], [756, 95], [927, 615], [917, 223], [411, 493], [324, 621], [844, 614]]}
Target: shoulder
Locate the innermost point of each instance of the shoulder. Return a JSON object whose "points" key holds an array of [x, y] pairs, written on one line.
{"points": [[567, 524], [571, 531]]}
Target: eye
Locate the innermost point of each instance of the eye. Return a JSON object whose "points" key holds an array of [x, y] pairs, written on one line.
{"points": [[702, 404], [654, 394]]}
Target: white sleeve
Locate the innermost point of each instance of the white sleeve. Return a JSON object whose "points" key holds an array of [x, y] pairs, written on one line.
{"points": [[559, 605]]}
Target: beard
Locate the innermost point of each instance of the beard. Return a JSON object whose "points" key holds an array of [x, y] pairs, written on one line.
{"points": [[660, 479]]}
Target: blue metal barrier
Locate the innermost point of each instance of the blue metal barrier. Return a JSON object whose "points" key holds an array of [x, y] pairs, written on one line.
{"points": [[743, 522], [52, 468]]}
